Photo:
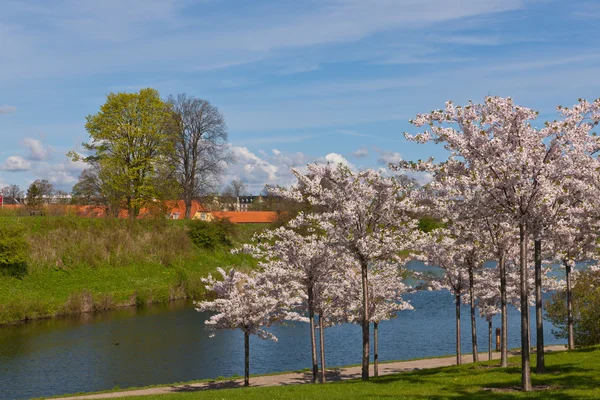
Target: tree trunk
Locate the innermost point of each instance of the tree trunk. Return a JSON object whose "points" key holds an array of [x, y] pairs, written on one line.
{"points": [[570, 306], [365, 321], [525, 363], [458, 352], [322, 347], [539, 317], [376, 348], [490, 339], [188, 208], [503, 307], [246, 359], [313, 341], [473, 321]]}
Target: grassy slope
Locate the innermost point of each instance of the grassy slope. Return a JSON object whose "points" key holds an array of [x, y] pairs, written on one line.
{"points": [[55, 282], [571, 375]]}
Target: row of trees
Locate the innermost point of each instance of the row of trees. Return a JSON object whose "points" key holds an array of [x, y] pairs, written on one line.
{"points": [[143, 149], [513, 180], [506, 189], [339, 260], [39, 192]]}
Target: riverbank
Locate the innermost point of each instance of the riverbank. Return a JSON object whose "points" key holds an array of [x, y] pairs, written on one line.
{"points": [[570, 374], [81, 265]]}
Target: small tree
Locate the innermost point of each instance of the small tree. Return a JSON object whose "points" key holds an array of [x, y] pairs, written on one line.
{"points": [[243, 302], [38, 193], [303, 262], [585, 310]]}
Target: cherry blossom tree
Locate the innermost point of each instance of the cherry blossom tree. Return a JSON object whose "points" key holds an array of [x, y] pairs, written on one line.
{"points": [[499, 157], [243, 302], [366, 214], [299, 262]]}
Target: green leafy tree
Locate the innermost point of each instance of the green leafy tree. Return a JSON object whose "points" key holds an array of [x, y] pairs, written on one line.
{"points": [[131, 143], [39, 192], [586, 310]]}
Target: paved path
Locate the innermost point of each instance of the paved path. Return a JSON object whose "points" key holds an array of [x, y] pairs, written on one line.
{"points": [[299, 378]]}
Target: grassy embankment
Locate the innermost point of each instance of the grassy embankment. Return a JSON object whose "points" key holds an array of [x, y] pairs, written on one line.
{"points": [[570, 375], [86, 264]]}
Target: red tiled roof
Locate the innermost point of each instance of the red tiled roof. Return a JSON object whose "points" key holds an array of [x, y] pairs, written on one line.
{"points": [[246, 217]]}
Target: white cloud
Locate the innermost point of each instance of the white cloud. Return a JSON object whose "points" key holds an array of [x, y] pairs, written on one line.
{"points": [[387, 157], [6, 109], [37, 150], [336, 158], [360, 153], [272, 169], [16, 163], [276, 152]]}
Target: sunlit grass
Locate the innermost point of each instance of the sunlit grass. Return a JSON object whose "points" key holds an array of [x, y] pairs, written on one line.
{"points": [[570, 375]]}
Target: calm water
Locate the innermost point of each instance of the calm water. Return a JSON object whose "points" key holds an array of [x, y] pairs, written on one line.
{"points": [[166, 344]]}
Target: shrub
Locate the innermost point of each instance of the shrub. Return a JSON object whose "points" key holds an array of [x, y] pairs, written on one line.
{"points": [[208, 235], [13, 251], [586, 310]]}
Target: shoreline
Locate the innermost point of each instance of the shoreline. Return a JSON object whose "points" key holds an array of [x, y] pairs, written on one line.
{"points": [[334, 374]]}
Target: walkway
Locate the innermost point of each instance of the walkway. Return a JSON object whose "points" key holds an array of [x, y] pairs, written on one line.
{"points": [[299, 378]]}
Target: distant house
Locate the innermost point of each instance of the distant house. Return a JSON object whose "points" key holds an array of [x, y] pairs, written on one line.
{"points": [[238, 217]]}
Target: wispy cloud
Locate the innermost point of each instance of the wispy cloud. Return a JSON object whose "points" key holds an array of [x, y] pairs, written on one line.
{"points": [[37, 150], [360, 153], [6, 109]]}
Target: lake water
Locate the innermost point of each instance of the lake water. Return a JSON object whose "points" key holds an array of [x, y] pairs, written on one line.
{"points": [[168, 343]]}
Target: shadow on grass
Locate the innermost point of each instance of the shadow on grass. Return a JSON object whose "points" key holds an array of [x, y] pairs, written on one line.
{"points": [[333, 375], [208, 386]]}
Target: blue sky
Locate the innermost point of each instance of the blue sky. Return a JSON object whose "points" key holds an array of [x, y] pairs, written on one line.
{"points": [[298, 81]]}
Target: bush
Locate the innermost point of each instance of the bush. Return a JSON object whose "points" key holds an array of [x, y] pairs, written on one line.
{"points": [[13, 251], [208, 235], [586, 310]]}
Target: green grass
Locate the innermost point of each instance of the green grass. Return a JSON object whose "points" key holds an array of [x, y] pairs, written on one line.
{"points": [[81, 264], [571, 375]]}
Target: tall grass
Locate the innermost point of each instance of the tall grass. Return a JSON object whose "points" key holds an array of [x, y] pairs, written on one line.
{"points": [[109, 246]]}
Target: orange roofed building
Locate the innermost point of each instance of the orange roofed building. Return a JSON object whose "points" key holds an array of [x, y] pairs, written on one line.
{"points": [[173, 209], [238, 217]]}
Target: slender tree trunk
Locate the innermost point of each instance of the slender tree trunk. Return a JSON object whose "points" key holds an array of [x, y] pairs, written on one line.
{"points": [[458, 352], [376, 348], [503, 307], [490, 339], [473, 321], [525, 362], [188, 208], [540, 366], [570, 306], [365, 321], [246, 359], [313, 341], [322, 347]]}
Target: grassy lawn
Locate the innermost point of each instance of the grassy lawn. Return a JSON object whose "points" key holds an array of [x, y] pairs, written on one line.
{"points": [[80, 263], [571, 375]]}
